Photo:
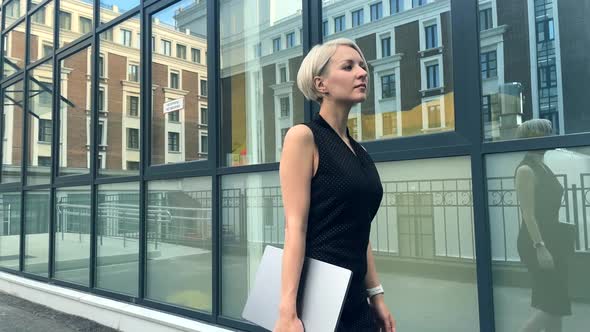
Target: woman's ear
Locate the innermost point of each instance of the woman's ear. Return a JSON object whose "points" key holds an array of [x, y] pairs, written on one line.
{"points": [[320, 85]]}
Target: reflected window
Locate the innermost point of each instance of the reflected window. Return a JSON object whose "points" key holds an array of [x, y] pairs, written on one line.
{"points": [[489, 65], [174, 80], [325, 28], [485, 19], [174, 116], [132, 138], [173, 142], [133, 106], [203, 90], [196, 55], [417, 3], [101, 70], [376, 11], [431, 36], [396, 6], [181, 51], [126, 37], [276, 44], [385, 47], [204, 115], [65, 20], [133, 73], [12, 9], [45, 130], [39, 16], [358, 17], [204, 147], [85, 25], [432, 74], [290, 39], [339, 23], [388, 86], [167, 47]]}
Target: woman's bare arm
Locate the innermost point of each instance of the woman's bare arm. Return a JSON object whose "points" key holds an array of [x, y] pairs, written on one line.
{"points": [[371, 278], [296, 171]]}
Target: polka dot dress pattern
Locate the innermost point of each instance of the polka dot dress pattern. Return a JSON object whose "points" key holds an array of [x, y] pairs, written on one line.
{"points": [[345, 195]]}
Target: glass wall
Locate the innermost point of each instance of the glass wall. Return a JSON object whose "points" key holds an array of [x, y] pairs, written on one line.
{"points": [[529, 69], [72, 234], [74, 114], [179, 76], [261, 50], [12, 129], [10, 216], [117, 238], [40, 123], [119, 100], [179, 225], [37, 216], [410, 65], [538, 213]]}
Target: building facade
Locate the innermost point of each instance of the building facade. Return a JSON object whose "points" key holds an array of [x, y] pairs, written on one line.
{"points": [[141, 142]]}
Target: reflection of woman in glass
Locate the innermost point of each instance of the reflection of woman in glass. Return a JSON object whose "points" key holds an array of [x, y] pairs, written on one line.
{"points": [[331, 190], [543, 245]]}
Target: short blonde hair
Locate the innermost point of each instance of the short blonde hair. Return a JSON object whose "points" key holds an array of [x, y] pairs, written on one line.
{"points": [[315, 63], [534, 128]]}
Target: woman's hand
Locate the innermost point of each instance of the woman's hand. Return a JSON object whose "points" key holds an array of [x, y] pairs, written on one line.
{"points": [[385, 319], [545, 259], [289, 323]]}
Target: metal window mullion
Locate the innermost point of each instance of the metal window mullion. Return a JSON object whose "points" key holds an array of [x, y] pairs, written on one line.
{"points": [[312, 35], [214, 157], [94, 145], [144, 133], [465, 23], [25, 148]]}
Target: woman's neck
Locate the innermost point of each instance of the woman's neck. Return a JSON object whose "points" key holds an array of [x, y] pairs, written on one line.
{"points": [[336, 115]]}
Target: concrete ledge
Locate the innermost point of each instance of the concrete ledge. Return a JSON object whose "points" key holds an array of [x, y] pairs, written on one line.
{"points": [[111, 313]]}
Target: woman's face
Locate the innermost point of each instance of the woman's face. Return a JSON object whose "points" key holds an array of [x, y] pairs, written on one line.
{"points": [[345, 79]]}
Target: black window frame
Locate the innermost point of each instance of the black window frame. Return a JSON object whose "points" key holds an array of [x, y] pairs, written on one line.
{"points": [[358, 17], [132, 138], [376, 11], [489, 64], [173, 141], [388, 89]]}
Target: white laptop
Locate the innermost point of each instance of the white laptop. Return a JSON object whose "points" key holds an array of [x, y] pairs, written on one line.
{"points": [[322, 292]]}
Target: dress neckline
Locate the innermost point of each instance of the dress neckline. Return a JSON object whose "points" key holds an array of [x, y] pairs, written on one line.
{"points": [[350, 148]]}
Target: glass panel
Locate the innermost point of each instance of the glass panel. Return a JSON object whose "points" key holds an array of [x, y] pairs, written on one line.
{"points": [[41, 32], [119, 102], [72, 234], [10, 230], [538, 71], [117, 241], [111, 9], [183, 24], [538, 213], [12, 122], [74, 106], [416, 43], [14, 10], [14, 50], [251, 86], [179, 230], [40, 124], [73, 19], [37, 212], [423, 236], [252, 216]]}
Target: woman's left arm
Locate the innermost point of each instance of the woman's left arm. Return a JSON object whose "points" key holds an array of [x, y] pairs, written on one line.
{"points": [[377, 301]]}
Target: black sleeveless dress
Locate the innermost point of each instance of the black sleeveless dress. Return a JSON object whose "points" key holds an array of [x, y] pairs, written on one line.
{"points": [[549, 286], [345, 195]]}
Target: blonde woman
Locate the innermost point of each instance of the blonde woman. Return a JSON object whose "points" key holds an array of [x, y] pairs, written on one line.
{"points": [[331, 190]]}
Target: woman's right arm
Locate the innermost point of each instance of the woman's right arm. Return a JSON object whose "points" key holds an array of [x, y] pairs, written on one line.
{"points": [[296, 171]]}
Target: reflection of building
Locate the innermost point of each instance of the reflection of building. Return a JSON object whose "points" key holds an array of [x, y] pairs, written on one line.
{"points": [[179, 72], [525, 43], [411, 94]]}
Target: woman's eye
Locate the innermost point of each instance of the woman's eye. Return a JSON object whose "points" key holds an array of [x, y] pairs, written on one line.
{"points": [[348, 67]]}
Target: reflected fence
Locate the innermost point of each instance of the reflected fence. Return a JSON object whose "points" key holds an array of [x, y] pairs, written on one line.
{"points": [[426, 219]]}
